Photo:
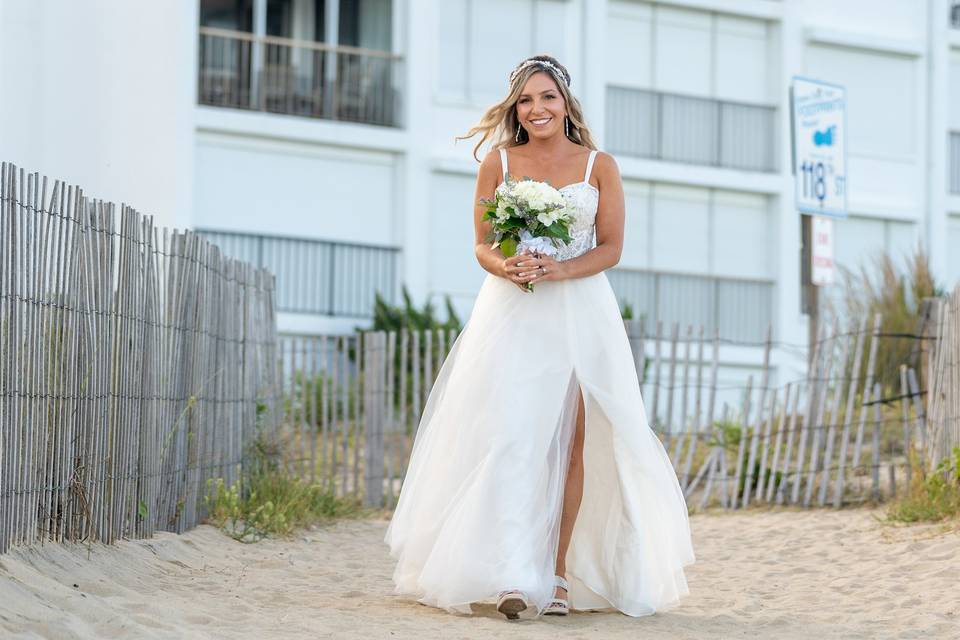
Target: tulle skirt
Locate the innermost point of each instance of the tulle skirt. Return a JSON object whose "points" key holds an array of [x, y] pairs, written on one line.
{"points": [[480, 507]]}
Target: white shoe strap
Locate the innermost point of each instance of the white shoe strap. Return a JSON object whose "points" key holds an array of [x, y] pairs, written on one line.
{"points": [[561, 582]]}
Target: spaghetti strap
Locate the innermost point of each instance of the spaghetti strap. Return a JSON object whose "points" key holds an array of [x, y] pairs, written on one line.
{"points": [[593, 156], [503, 163]]}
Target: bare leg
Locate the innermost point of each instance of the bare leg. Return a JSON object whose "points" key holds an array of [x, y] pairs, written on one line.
{"points": [[572, 494]]}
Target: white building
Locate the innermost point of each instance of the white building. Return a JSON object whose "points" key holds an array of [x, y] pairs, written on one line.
{"points": [[316, 136]]}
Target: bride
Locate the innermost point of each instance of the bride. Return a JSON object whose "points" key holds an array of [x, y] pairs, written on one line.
{"points": [[535, 479]]}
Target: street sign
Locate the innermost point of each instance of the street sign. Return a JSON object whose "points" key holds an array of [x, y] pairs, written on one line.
{"points": [[819, 147], [821, 254]]}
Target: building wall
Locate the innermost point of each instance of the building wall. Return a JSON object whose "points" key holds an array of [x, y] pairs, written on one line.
{"points": [[101, 94], [111, 105], [291, 188]]}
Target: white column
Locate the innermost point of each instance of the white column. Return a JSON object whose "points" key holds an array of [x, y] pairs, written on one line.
{"points": [[419, 48], [934, 233], [256, 56], [593, 79], [790, 324]]}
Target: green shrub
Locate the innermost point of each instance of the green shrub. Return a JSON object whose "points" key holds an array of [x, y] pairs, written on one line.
{"points": [[406, 316]]}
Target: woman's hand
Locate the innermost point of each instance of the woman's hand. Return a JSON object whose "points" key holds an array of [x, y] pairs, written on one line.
{"points": [[525, 268]]}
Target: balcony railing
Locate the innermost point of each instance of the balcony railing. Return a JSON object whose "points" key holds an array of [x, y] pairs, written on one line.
{"points": [[953, 166], [318, 276], [311, 79], [676, 128], [739, 309]]}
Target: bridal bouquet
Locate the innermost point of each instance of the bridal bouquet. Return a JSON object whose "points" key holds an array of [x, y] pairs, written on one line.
{"points": [[527, 215]]}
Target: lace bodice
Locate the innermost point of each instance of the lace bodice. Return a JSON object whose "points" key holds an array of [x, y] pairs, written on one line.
{"points": [[583, 197]]}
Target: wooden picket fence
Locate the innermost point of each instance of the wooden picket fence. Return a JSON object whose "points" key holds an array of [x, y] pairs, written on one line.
{"points": [[943, 363], [834, 438], [135, 365]]}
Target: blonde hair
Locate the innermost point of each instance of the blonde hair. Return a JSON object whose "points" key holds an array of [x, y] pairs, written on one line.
{"points": [[499, 124]]}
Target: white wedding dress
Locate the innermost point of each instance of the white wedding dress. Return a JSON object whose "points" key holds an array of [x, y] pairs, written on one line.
{"points": [[480, 506]]}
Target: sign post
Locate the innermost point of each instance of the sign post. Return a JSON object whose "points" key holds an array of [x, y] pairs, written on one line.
{"points": [[819, 126]]}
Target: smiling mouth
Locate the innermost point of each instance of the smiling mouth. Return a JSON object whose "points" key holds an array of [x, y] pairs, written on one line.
{"points": [[540, 121]]}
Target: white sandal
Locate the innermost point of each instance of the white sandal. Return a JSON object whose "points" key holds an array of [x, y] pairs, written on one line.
{"points": [[558, 606], [511, 603]]}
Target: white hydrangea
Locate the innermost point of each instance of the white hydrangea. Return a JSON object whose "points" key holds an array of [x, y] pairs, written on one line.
{"points": [[502, 213], [537, 195]]}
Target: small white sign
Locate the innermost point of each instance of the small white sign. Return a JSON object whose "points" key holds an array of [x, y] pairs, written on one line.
{"points": [[821, 254], [819, 147]]}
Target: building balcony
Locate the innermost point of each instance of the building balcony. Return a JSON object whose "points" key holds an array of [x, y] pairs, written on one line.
{"points": [[691, 130], [318, 277], [739, 309], [240, 70]]}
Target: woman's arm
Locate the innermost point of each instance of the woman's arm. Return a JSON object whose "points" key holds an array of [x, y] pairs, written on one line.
{"points": [[492, 260], [609, 222]]}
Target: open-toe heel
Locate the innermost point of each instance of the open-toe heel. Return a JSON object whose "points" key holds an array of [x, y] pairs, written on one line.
{"points": [[558, 606]]}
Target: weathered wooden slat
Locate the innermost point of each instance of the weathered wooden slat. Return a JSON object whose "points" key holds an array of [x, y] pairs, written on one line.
{"points": [[808, 416], [832, 426], [684, 427], [697, 426], [671, 385], [761, 406], [744, 434], [848, 414], [918, 412], [875, 461], [778, 444], [905, 418], [765, 446], [868, 388], [654, 416], [403, 451]]}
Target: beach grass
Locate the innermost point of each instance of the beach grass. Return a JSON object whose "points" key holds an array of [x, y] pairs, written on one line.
{"points": [[271, 500], [933, 497]]}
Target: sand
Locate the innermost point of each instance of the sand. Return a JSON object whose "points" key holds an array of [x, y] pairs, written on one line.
{"points": [[759, 574]]}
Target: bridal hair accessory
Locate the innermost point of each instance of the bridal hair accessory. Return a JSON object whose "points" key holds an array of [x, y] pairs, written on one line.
{"points": [[546, 64]]}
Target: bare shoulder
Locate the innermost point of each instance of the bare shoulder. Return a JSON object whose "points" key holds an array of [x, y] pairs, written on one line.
{"points": [[490, 166], [606, 171], [606, 165]]}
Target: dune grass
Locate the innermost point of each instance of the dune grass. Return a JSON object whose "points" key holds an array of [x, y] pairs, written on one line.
{"points": [[934, 497], [273, 501]]}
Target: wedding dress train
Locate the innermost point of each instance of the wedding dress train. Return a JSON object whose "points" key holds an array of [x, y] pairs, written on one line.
{"points": [[479, 511]]}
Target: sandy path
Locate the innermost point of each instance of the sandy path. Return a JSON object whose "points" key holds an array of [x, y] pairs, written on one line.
{"points": [[777, 575]]}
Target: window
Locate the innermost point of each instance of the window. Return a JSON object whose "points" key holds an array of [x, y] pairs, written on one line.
{"points": [[235, 15], [481, 41]]}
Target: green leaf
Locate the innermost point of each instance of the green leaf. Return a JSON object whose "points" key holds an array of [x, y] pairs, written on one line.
{"points": [[508, 246], [142, 510]]}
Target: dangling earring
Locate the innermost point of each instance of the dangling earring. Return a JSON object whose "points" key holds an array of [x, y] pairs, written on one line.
{"points": [[518, 133], [566, 126]]}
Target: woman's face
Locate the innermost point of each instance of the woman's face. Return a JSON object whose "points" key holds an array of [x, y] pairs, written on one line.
{"points": [[541, 108]]}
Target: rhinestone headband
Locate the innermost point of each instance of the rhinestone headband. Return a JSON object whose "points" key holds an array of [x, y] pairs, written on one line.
{"points": [[541, 63]]}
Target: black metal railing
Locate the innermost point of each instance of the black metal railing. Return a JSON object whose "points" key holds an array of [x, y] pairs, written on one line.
{"points": [[311, 79], [740, 309], [677, 128], [318, 276]]}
